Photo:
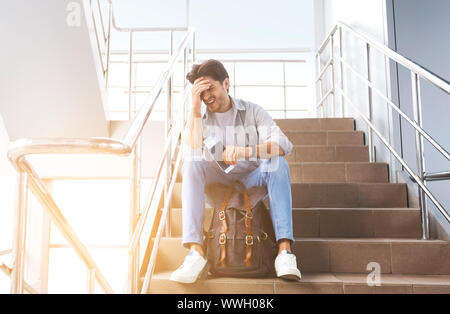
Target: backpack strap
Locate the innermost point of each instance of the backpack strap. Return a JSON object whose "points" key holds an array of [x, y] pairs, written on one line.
{"points": [[248, 230], [224, 228]]}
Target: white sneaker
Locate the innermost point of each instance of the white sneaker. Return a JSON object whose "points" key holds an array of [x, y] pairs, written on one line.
{"points": [[191, 268], [286, 266]]}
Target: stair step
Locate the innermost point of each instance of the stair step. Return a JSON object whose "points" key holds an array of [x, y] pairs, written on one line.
{"points": [[313, 153], [321, 154], [316, 124], [348, 195], [317, 283], [339, 222], [357, 223], [334, 172], [334, 195], [321, 172], [340, 255], [326, 138]]}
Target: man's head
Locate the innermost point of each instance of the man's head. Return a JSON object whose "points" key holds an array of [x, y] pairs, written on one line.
{"points": [[216, 97]]}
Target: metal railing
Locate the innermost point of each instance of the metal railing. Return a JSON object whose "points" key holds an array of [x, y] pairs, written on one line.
{"points": [[28, 179], [283, 85], [103, 40], [417, 72]]}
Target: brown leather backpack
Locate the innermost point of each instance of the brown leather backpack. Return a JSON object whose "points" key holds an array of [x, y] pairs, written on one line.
{"points": [[240, 241]]}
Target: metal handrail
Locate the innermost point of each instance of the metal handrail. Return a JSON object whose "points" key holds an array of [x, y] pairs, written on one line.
{"points": [[130, 31], [8, 272], [233, 62], [399, 111], [152, 262], [19, 149], [143, 218], [414, 67], [404, 164], [220, 51], [5, 252], [417, 72]]}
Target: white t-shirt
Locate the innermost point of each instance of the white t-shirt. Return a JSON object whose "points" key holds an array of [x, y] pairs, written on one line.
{"points": [[225, 121], [225, 131]]}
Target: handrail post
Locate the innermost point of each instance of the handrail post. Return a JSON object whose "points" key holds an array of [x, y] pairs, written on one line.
{"points": [[135, 199], [194, 56], [130, 78], [108, 46], [168, 126], [284, 90], [333, 77], [417, 103], [133, 267], [372, 156], [19, 236], [341, 56], [91, 280], [188, 8], [320, 83], [185, 71], [234, 79]]}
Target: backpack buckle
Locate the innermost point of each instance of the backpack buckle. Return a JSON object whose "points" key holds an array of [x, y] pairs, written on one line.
{"points": [[249, 240], [222, 215], [210, 235], [222, 239], [264, 236]]}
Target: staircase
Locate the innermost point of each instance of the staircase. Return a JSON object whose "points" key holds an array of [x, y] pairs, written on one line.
{"points": [[346, 215]]}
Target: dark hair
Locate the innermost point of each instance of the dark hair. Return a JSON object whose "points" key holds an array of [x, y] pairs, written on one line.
{"points": [[211, 68]]}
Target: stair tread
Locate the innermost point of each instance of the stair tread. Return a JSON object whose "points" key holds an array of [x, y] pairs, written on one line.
{"points": [[360, 183], [350, 240], [336, 162], [329, 277], [323, 131], [338, 208], [310, 283], [332, 145], [359, 209], [341, 183]]}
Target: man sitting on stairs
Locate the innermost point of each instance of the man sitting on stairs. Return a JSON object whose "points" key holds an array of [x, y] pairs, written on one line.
{"points": [[236, 122]]}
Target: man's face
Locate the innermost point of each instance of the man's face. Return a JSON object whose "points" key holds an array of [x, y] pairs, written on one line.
{"points": [[216, 97]]}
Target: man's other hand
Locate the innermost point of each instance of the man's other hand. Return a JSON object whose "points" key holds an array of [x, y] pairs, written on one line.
{"points": [[231, 154]]}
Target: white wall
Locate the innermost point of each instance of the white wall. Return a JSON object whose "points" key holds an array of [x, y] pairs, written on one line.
{"points": [[49, 86], [367, 17]]}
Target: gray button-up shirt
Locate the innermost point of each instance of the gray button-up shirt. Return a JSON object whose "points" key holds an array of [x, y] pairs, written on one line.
{"points": [[252, 126]]}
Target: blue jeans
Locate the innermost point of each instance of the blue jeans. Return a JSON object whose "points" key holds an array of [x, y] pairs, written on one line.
{"points": [[273, 173]]}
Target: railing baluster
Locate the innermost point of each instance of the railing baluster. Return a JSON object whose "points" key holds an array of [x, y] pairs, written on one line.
{"points": [[168, 126], [319, 70], [341, 56], [91, 280], [135, 188], [130, 79], [372, 157], [19, 235], [108, 46], [284, 90], [417, 73], [333, 78], [234, 79], [420, 159]]}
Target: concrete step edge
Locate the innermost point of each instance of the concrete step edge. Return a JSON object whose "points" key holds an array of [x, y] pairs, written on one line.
{"points": [[412, 209], [311, 283], [349, 240]]}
